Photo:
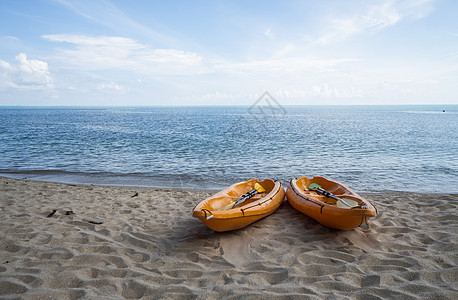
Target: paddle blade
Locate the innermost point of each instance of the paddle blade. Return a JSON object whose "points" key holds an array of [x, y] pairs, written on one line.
{"points": [[259, 188], [347, 203], [229, 206], [313, 186]]}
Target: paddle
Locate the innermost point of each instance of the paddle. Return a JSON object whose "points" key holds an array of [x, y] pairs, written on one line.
{"points": [[341, 203], [257, 189]]}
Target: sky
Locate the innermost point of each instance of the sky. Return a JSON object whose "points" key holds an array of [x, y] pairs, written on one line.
{"points": [[140, 52]]}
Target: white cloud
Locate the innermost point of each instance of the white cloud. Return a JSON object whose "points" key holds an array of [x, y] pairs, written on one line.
{"points": [[285, 66], [373, 18], [216, 97], [322, 91], [268, 33], [111, 87], [119, 53], [10, 37], [111, 52], [27, 74], [107, 14]]}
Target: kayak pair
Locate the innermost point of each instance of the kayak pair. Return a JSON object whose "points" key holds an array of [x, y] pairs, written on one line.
{"points": [[327, 201]]}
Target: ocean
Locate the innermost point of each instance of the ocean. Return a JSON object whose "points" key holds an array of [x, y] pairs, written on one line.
{"points": [[368, 148]]}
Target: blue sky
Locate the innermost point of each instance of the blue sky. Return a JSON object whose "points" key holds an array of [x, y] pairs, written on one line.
{"points": [[62, 52]]}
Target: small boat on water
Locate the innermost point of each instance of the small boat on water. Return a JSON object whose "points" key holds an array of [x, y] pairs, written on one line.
{"points": [[240, 204], [330, 203]]}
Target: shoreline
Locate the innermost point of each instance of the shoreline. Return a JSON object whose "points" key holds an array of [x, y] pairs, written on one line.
{"points": [[132, 242], [214, 189], [86, 181]]}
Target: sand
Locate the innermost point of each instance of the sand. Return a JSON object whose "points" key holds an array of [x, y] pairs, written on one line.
{"points": [[120, 244]]}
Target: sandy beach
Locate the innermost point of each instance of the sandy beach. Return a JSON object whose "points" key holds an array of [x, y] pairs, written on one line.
{"points": [[125, 242]]}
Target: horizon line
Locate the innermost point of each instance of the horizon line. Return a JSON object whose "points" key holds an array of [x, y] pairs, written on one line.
{"points": [[211, 105]]}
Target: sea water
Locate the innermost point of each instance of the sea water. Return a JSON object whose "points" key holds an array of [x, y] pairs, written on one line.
{"points": [[368, 148]]}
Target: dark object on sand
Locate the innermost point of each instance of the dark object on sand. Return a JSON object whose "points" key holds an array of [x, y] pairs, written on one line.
{"points": [[95, 222], [136, 194], [69, 212], [51, 214]]}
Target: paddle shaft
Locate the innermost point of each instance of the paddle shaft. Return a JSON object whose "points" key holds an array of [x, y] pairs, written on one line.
{"points": [[240, 200], [245, 197], [327, 194], [331, 195]]}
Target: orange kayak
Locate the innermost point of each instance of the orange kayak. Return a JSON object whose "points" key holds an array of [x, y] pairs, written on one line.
{"points": [[218, 214], [326, 210]]}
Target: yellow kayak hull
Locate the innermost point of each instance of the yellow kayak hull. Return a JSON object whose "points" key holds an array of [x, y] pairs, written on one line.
{"points": [[259, 206], [324, 209]]}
